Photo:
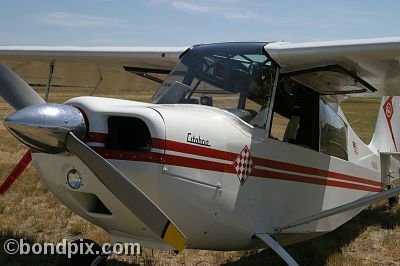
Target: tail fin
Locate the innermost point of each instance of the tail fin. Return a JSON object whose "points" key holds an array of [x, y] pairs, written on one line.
{"points": [[386, 137]]}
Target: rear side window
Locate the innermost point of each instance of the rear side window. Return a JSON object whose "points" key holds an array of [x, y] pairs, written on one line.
{"points": [[333, 140], [128, 133]]}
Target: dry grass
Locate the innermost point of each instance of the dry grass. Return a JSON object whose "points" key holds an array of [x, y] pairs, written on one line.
{"points": [[361, 114], [29, 211]]}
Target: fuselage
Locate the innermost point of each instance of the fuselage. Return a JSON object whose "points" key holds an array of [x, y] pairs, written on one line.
{"points": [[220, 179]]}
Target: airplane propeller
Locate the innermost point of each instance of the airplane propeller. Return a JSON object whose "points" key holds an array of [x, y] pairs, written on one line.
{"points": [[57, 128], [16, 91]]}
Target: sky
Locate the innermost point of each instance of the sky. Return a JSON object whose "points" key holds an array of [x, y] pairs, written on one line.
{"points": [[188, 22]]}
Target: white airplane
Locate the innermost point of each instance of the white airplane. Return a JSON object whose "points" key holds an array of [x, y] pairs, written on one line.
{"points": [[243, 146]]}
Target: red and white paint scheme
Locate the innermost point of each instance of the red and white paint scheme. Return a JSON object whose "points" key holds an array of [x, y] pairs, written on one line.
{"points": [[241, 140]]}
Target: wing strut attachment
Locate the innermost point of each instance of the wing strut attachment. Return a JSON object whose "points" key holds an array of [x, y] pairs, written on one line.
{"points": [[267, 239]]}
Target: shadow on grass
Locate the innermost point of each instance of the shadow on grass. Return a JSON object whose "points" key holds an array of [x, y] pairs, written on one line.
{"points": [[313, 252], [317, 251], [33, 259]]}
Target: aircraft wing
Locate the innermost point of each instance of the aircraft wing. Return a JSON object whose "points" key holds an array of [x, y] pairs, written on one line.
{"points": [[342, 67], [86, 67]]}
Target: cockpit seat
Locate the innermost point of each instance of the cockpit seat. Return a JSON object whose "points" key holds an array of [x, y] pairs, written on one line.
{"points": [[292, 128]]}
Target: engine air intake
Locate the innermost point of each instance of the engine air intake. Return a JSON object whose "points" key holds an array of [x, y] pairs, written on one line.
{"points": [[128, 133]]}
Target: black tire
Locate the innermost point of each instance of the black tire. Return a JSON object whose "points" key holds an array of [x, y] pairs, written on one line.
{"points": [[393, 201], [82, 258]]}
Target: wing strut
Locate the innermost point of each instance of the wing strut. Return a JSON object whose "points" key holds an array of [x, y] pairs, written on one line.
{"points": [[48, 85], [145, 72], [98, 82], [267, 239], [349, 206]]}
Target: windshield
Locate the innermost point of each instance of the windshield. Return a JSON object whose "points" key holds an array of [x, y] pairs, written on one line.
{"points": [[237, 77]]}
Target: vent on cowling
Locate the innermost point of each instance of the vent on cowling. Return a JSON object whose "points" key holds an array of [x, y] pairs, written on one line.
{"points": [[128, 133], [90, 202]]}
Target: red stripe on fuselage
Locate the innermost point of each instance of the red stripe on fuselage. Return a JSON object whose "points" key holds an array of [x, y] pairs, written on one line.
{"points": [[224, 168], [199, 164], [152, 157], [227, 168], [158, 143], [311, 180], [171, 145], [96, 137], [311, 171], [229, 156]]}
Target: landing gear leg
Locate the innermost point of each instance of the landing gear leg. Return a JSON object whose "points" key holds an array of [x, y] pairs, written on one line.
{"points": [[267, 239], [101, 259]]}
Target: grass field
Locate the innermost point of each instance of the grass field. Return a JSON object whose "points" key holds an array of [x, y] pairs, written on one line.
{"points": [[30, 212]]}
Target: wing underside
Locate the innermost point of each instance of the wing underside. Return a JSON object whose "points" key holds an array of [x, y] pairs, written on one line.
{"points": [[343, 67], [92, 67], [340, 67]]}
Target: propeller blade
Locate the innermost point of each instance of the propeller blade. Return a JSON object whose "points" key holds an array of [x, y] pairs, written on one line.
{"points": [[15, 90], [128, 193], [19, 95]]}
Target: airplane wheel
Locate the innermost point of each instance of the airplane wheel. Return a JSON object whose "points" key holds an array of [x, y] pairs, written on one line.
{"points": [[82, 258], [393, 201]]}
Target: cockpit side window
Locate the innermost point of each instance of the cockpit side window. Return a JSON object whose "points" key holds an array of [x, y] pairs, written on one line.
{"points": [[333, 132], [301, 117]]}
